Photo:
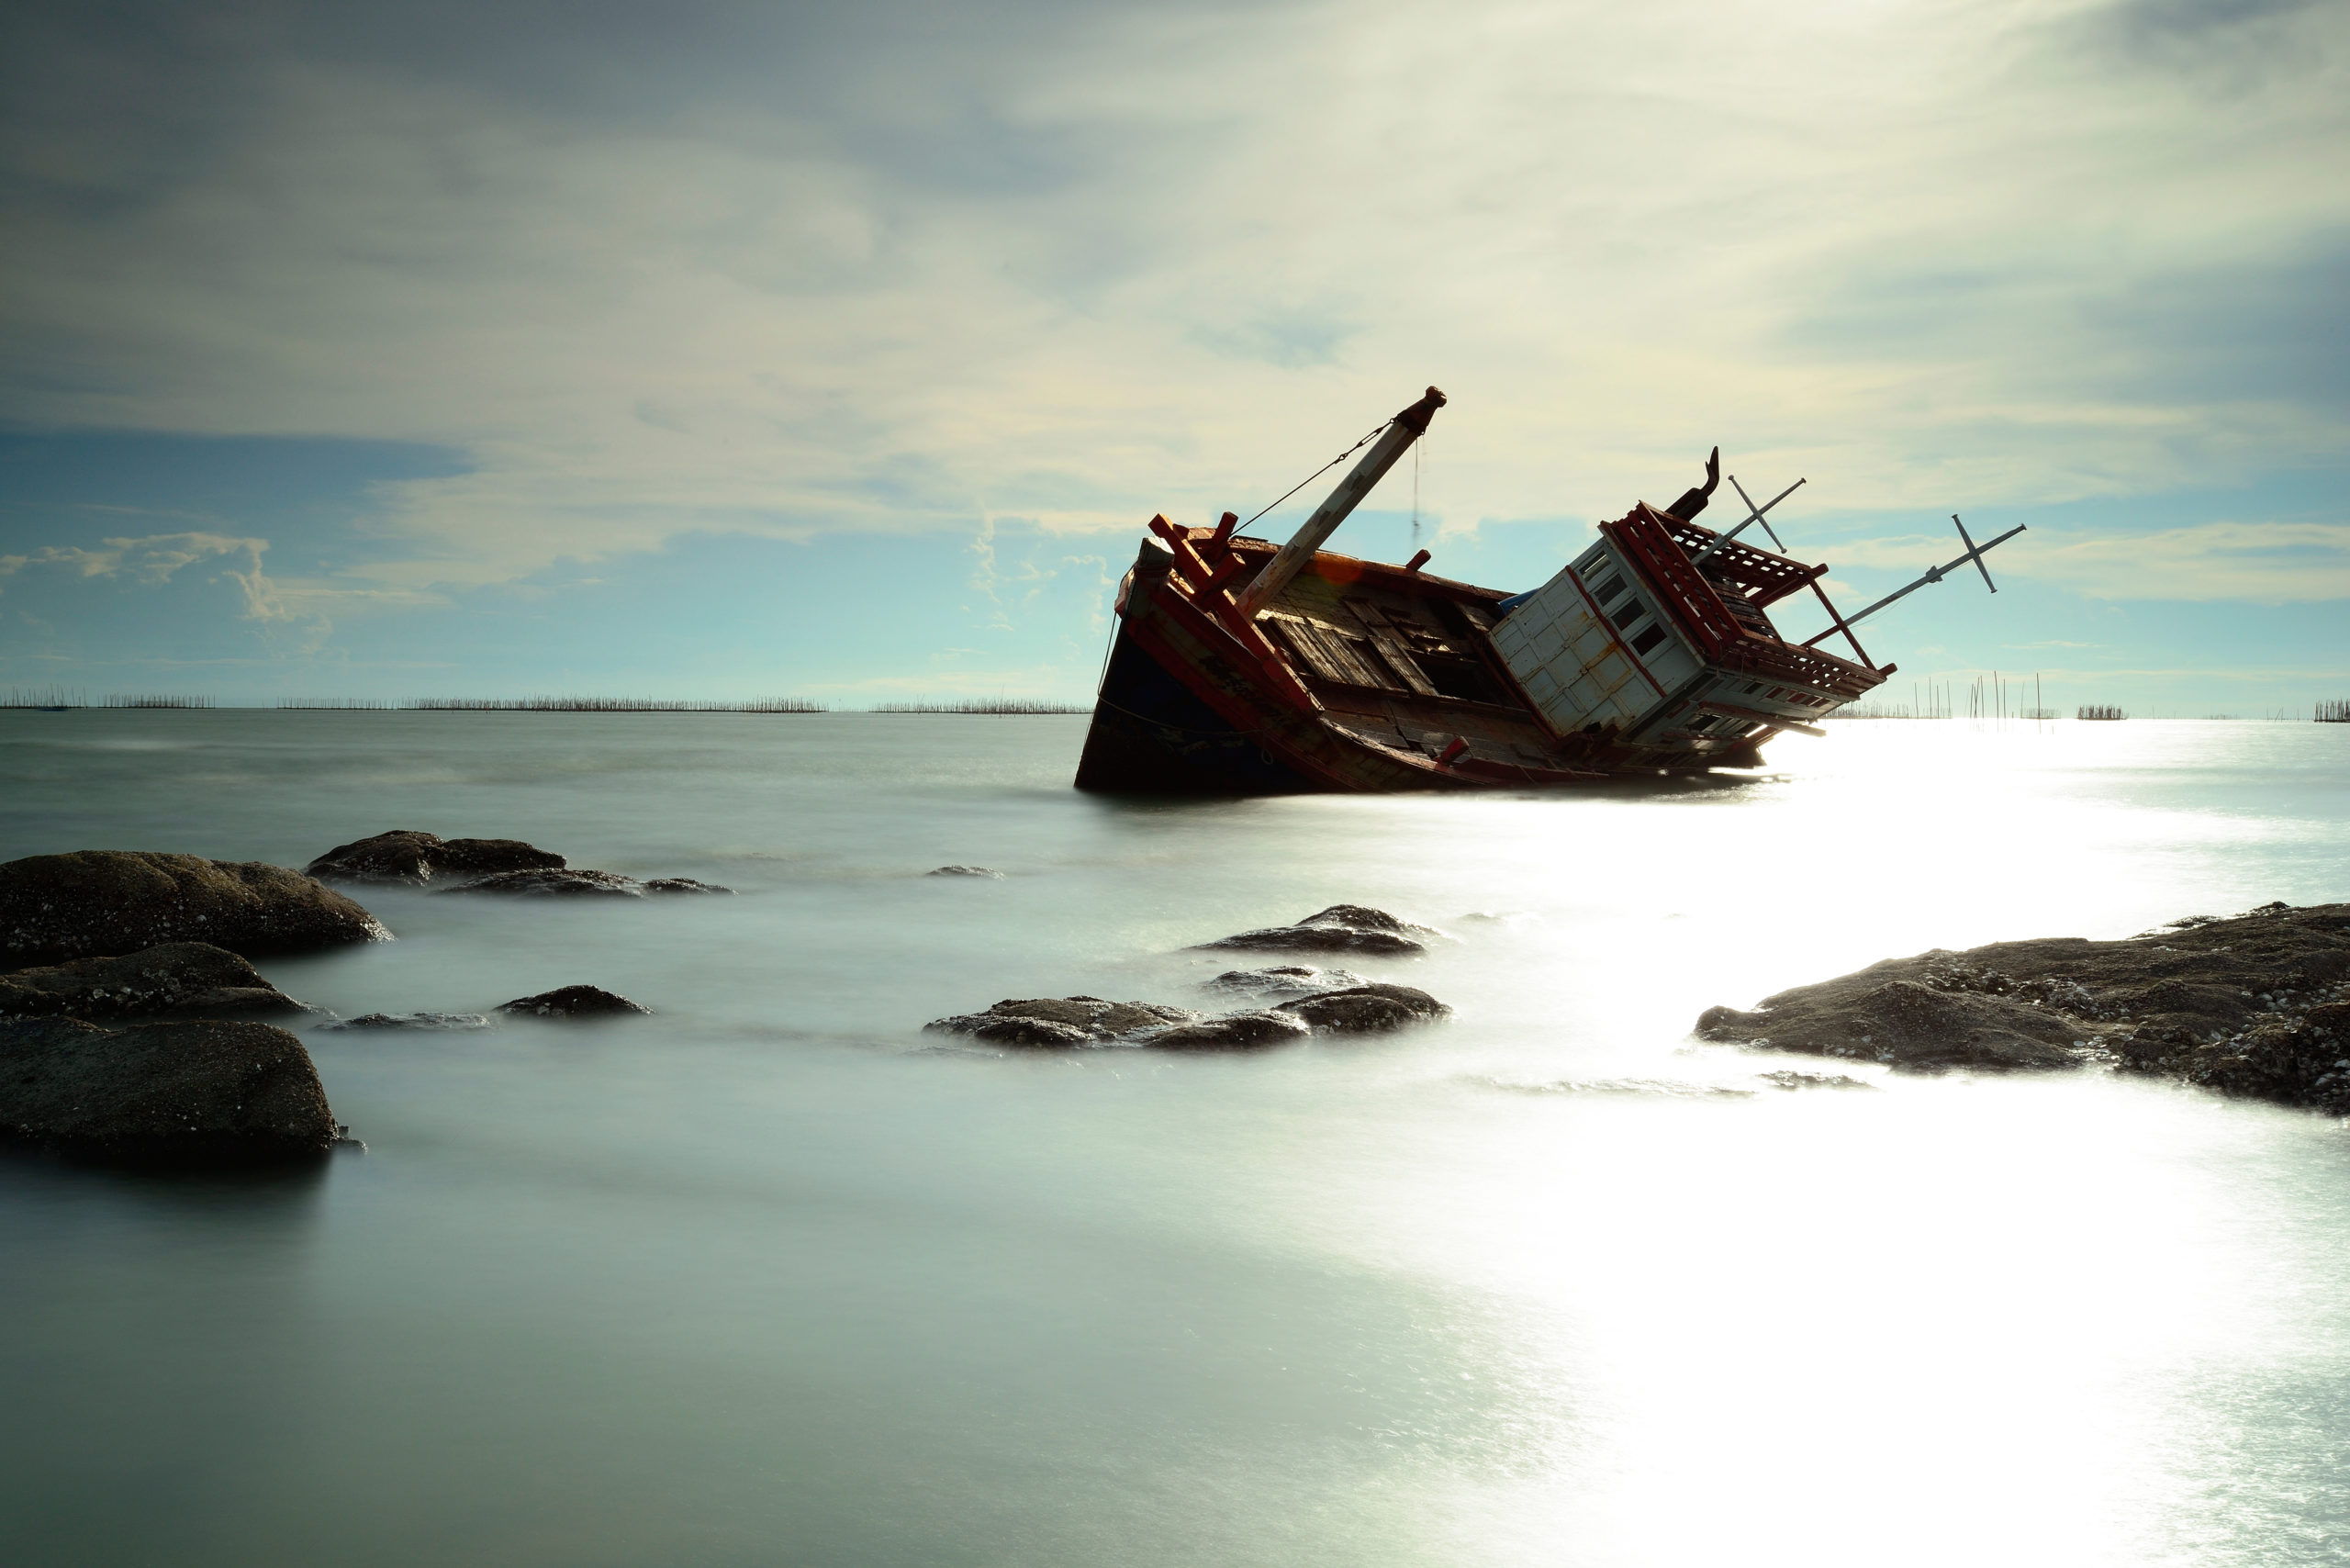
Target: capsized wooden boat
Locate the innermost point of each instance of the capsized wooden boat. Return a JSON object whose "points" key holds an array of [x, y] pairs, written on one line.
{"points": [[1241, 667]]}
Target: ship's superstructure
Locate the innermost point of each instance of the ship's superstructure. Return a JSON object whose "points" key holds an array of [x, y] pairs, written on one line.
{"points": [[1658, 635]]}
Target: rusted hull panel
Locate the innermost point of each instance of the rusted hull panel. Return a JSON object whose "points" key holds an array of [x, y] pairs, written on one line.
{"points": [[1153, 735], [1182, 712]]}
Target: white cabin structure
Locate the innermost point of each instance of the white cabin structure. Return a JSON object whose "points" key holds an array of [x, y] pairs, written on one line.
{"points": [[1657, 638]]}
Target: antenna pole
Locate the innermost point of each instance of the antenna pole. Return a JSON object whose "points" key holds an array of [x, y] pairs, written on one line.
{"points": [[1753, 514], [1974, 553], [1978, 554]]}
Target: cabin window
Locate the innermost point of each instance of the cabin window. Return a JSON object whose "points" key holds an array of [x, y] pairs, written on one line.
{"points": [[1633, 610], [1608, 590], [1699, 726], [1648, 639]]}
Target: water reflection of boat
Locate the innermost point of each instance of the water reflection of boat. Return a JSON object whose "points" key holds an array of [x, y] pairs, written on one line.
{"points": [[1238, 666]]}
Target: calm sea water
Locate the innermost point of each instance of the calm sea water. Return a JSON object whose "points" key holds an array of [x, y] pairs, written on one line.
{"points": [[767, 1278]]}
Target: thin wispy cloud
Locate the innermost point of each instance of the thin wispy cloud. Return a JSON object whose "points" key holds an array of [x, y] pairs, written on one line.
{"points": [[151, 561], [2256, 563]]}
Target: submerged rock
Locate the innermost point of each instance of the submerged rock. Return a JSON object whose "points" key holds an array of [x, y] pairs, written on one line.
{"points": [[405, 855], [411, 1021], [2250, 1006], [1012, 1029], [554, 884], [182, 978], [1065, 1021], [171, 1094], [1282, 980], [1227, 1032], [1341, 928], [572, 1002], [1362, 917], [1670, 1088], [1373, 1007], [1904, 1024], [1068, 1021], [1788, 1077], [97, 902], [965, 871], [483, 866]]}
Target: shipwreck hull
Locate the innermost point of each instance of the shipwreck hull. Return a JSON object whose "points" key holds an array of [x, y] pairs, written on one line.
{"points": [[1243, 668], [1189, 707]]}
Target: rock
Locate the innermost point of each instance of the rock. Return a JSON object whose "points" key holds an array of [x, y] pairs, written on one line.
{"points": [[2247, 1005], [965, 871], [406, 855], [411, 1021], [572, 1002], [1064, 1021], [1320, 939], [1341, 928], [97, 902], [177, 978], [1369, 1008], [1071, 1021], [173, 1094], [1012, 1030], [1906, 1024], [554, 884], [1226, 1032], [2302, 1061], [483, 866], [1788, 1077], [1282, 980]]}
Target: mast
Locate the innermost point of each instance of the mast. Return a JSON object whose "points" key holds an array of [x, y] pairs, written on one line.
{"points": [[1402, 431]]}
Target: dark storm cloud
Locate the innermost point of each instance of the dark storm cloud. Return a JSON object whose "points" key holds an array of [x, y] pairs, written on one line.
{"points": [[104, 103], [2277, 328], [2233, 40], [2271, 328], [2160, 21]]}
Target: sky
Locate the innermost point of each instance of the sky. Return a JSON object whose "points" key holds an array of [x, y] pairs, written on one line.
{"points": [[708, 350]]}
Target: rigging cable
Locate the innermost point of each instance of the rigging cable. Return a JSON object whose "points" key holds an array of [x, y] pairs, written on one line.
{"points": [[1325, 467]]}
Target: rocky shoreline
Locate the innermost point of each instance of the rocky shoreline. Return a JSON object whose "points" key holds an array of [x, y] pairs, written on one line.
{"points": [[130, 1016], [2255, 1006], [131, 1027]]}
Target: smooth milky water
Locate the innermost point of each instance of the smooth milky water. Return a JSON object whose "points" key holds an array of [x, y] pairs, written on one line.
{"points": [[771, 1278]]}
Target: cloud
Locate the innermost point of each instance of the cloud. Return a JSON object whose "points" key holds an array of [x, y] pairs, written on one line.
{"points": [[2270, 563], [783, 270]]}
